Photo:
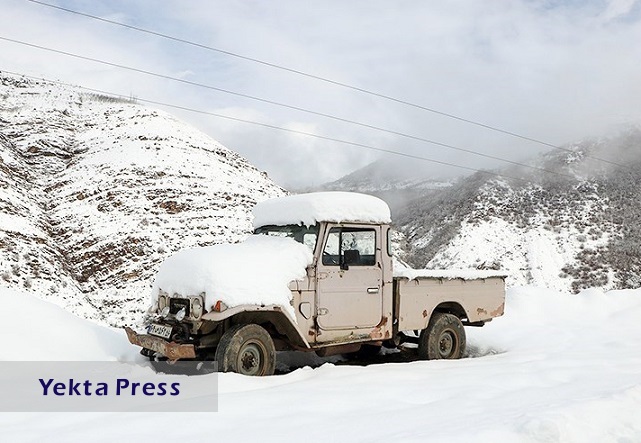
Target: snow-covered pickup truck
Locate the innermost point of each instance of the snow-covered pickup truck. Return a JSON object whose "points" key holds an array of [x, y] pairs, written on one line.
{"points": [[316, 276]]}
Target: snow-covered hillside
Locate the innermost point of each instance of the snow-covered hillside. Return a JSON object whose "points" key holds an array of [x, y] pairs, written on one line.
{"points": [[572, 228], [537, 250], [96, 191], [556, 367]]}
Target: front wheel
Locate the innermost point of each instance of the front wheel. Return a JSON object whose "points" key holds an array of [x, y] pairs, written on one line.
{"points": [[246, 349], [444, 338]]}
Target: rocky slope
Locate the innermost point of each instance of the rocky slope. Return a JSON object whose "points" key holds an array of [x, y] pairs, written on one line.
{"points": [[96, 191], [574, 229]]}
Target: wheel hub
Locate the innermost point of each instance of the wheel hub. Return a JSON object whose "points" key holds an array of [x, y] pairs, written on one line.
{"points": [[250, 359], [446, 344]]}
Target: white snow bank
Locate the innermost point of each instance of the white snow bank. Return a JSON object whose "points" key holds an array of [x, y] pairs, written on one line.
{"points": [[308, 209], [256, 271], [34, 330], [545, 321], [555, 368]]}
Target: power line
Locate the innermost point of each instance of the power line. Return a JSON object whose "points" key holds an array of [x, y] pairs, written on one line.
{"points": [[320, 78], [275, 103], [279, 128]]}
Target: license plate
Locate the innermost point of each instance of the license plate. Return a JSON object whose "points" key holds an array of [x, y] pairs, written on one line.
{"points": [[163, 331]]}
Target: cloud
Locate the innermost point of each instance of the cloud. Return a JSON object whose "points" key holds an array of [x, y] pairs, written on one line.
{"points": [[616, 9], [556, 71]]}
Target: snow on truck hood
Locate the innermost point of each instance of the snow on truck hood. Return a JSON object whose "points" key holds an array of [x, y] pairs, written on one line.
{"points": [[308, 209], [256, 271]]}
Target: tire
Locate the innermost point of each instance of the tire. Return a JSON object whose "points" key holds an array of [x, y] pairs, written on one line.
{"points": [[444, 338], [246, 349]]}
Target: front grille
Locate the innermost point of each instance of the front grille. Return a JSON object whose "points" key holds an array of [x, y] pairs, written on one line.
{"points": [[176, 304]]}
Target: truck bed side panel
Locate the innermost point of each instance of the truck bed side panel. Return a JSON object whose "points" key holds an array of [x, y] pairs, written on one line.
{"points": [[481, 299]]}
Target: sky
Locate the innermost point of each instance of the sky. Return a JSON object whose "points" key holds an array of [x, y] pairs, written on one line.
{"points": [[556, 71]]}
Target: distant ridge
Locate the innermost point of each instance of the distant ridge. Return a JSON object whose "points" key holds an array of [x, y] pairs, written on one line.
{"points": [[397, 181]]}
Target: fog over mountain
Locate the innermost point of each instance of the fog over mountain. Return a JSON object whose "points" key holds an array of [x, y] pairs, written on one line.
{"points": [[555, 70], [397, 180], [575, 226]]}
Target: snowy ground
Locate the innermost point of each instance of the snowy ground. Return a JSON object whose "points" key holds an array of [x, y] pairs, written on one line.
{"points": [[556, 367]]}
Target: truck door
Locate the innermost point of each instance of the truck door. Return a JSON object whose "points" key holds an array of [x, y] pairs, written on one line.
{"points": [[350, 279]]}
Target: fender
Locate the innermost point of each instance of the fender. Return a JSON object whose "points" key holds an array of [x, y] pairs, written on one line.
{"points": [[274, 314]]}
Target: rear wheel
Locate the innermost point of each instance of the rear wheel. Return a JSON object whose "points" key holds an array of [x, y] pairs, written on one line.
{"points": [[444, 338], [246, 349]]}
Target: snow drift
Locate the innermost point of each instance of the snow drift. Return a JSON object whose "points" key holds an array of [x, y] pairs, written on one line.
{"points": [[36, 330], [556, 367]]}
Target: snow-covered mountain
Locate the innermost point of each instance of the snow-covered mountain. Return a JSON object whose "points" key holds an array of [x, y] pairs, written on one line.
{"points": [[96, 191], [576, 227], [396, 180]]}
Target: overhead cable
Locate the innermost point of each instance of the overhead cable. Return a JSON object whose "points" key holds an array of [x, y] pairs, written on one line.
{"points": [[284, 105], [279, 128], [320, 78]]}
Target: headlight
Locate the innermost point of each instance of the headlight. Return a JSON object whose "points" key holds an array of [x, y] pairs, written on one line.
{"points": [[165, 312], [180, 315], [196, 308], [162, 302]]}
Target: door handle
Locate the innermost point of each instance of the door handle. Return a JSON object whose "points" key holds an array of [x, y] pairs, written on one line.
{"points": [[372, 290]]}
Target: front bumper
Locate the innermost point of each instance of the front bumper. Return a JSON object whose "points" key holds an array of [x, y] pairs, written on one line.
{"points": [[173, 351]]}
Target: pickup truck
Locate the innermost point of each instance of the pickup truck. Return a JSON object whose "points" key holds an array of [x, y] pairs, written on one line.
{"points": [[316, 276]]}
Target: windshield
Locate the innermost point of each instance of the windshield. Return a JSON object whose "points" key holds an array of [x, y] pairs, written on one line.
{"points": [[306, 235]]}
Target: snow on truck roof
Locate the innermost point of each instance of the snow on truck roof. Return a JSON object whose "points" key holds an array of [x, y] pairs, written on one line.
{"points": [[308, 209]]}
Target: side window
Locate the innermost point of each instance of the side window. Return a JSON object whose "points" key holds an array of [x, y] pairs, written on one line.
{"points": [[351, 247], [309, 240], [331, 253]]}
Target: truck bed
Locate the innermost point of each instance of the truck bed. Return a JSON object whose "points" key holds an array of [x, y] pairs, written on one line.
{"points": [[477, 296]]}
